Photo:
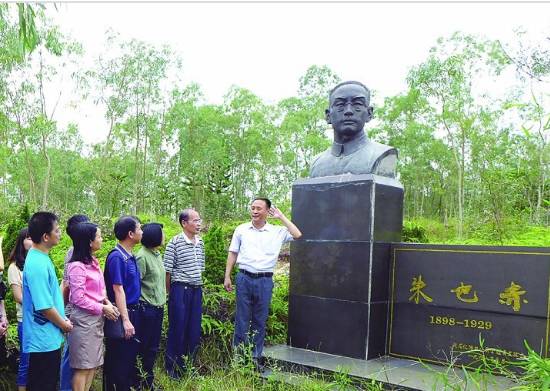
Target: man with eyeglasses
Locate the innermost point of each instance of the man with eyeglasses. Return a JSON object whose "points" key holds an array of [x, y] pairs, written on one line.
{"points": [[352, 152], [184, 264]]}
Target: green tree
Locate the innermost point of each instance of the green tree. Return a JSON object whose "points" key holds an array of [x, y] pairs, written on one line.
{"points": [[130, 88], [29, 112], [530, 101], [447, 79]]}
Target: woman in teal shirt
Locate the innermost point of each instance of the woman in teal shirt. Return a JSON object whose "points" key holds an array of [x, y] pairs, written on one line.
{"points": [[152, 299]]}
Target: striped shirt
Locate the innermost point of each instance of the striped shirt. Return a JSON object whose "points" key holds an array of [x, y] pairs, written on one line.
{"points": [[184, 260]]}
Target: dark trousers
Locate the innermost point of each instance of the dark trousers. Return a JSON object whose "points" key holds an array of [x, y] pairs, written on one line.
{"points": [[149, 335], [184, 326], [3, 352], [253, 299], [43, 371], [119, 369]]}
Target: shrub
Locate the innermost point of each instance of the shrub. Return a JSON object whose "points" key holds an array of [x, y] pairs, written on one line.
{"points": [[218, 316], [216, 242], [277, 322], [14, 226], [414, 232], [215, 249]]}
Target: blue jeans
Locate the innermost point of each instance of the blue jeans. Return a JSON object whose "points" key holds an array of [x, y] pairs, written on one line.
{"points": [[253, 300], [66, 377], [184, 326], [149, 335], [23, 359], [119, 368]]}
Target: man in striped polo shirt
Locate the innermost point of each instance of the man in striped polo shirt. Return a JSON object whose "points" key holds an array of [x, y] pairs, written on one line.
{"points": [[184, 264], [255, 248]]}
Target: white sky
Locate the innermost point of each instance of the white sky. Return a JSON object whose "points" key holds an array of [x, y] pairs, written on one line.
{"points": [[266, 47]]}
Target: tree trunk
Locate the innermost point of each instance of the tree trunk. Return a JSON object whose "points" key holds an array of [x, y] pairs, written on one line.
{"points": [[136, 162], [45, 188], [48, 172], [144, 168]]}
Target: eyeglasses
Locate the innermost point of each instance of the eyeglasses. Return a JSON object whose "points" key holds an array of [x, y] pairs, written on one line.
{"points": [[357, 104]]}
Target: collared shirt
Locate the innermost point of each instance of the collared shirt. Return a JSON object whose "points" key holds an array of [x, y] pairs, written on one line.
{"points": [[151, 270], [40, 292], [358, 156], [121, 269], [184, 259], [86, 286], [339, 149], [258, 249]]}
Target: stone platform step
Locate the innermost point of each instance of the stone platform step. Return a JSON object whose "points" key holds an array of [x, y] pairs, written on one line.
{"points": [[396, 373]]}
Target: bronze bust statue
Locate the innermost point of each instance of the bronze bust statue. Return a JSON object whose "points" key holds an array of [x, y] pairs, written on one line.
{"points": [[352, 152]]}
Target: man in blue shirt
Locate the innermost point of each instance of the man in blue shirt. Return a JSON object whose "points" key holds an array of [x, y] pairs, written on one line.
{"points": [[44, 320], [122, 281]]}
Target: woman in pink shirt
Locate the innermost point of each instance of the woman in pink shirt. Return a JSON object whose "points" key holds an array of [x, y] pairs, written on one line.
{"points": [[89, 305]]}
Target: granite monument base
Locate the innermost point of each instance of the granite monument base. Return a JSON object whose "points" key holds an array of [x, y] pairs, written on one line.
{"points": [[338, 299]]}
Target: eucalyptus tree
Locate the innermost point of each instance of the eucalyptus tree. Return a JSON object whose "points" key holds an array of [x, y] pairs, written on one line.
{"points": [[530, 100], [251, 135], [199, 168], [448, 79], [302, 127], [425, 164], [31, 93], [130, 79]]}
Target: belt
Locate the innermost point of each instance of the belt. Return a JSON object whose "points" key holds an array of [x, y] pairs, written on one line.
{"points": [[145, 304], [133, 306], [186, 284], [256, 275]]}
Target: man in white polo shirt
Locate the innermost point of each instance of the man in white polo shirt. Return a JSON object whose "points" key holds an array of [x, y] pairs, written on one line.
{"points": [[255, 248]]}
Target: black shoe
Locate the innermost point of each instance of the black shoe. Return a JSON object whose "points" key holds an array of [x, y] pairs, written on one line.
{"points": [[259, 365]]}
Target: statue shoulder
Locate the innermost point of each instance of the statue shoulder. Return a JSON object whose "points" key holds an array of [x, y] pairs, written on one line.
{"points": [[380, 149], [319, 158], [386, 159]]}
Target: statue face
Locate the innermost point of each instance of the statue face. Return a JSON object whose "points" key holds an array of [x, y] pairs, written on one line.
{"points": [[349, 110]]}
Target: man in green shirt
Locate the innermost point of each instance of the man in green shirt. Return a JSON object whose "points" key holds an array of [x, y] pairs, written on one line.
{"points": [[152, 299]]}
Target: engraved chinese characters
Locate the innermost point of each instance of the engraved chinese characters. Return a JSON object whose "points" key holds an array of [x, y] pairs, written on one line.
{"points": [[445, 299], [511, 296]]}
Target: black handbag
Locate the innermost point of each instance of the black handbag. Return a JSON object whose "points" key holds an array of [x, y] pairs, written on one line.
{"points": [[113, 328], [3, 290]]}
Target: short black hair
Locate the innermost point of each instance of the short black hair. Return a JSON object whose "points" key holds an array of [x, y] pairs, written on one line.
{"points": [[83, 234], [367, 91], [152, 235], [75, 219], [124, 225], [266, 200], [41, 223], [184, 215]]}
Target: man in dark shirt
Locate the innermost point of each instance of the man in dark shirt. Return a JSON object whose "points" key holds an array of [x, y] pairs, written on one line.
{"points": [[122, 281]]}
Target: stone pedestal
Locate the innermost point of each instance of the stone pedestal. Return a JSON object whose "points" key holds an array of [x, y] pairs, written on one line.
{"points": [[339, 273], [447, 300]]}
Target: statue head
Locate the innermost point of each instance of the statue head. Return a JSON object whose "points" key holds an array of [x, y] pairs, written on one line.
{"points": [[348, 110]]}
